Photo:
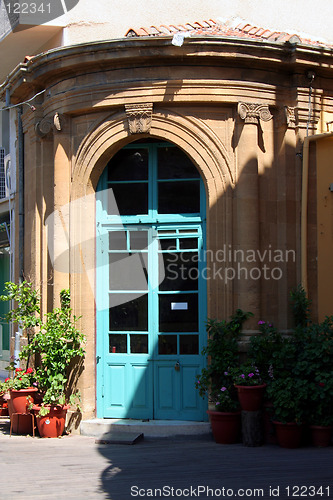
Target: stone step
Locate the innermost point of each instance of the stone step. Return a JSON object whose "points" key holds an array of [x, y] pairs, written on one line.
{"points": [[100, 427]]}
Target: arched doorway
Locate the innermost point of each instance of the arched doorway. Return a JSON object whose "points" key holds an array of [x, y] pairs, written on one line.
{"points": [[150, 288]]}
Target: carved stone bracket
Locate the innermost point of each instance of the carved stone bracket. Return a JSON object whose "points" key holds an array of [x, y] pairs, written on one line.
{"points": [[290, 115], [139, 117], [253, 113], [43, 127], [50, 124]]}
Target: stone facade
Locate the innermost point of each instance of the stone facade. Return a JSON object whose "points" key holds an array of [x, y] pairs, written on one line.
{"points": [[240, 112]]}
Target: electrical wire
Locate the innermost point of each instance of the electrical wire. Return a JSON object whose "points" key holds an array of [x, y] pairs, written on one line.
{"points": [[24, 102]]}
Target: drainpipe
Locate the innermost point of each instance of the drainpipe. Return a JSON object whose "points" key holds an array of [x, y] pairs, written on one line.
{"points": [[21, 193], [20, 140], [304, 206]]}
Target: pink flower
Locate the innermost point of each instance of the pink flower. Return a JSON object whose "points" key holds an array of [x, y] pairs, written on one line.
{"points": [[243, 376], [251, 375], [223, 389]]}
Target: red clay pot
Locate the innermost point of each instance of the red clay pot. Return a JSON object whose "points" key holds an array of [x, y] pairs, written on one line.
{"points": [[51, 425], [321, 436], [289, 435], [251, 396], [225, 426], [20, 401], [22, 423], [4, 410]]}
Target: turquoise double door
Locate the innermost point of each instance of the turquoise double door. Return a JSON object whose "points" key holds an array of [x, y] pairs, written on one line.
{"points": [[151, 291]]}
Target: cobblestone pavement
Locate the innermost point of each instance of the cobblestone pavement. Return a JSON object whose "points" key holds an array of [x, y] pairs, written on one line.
{"points": [[76, 467]]}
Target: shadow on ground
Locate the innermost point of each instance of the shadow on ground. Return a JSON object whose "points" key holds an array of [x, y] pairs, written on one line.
{"points": [[204, 469]]}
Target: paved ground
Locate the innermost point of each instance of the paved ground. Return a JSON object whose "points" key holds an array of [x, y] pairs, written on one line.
{"points": [[76, 467]]}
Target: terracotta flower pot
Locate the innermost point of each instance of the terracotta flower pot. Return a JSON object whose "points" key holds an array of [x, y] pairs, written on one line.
{"points": [[22, 423], [225, 426], [321, 435], [20, 401], [251, 396], [288, 435], [51, 425], [4, 410]]}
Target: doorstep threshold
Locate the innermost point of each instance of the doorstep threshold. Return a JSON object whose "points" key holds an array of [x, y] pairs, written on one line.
{"points": [[99, 427]]}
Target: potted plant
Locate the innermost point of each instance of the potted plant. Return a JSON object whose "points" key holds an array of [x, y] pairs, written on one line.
{"points": [[250, 387], [22, 388], [4, 398], [225, 419], [215, 381], [58, 344], [289, 398], [320, 411]]}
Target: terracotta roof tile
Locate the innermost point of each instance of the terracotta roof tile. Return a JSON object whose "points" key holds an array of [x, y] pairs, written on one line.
{"points": [[211, 27]]}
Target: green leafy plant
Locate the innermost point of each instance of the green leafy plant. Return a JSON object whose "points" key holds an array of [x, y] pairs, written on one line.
{"points": [[300, 306], [289, 398], [222, 356], [26, 312], [58, 343], [262, 348], [320, 399]]}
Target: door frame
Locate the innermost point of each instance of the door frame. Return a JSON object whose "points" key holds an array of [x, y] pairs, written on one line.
{"points": [[175, 220]]}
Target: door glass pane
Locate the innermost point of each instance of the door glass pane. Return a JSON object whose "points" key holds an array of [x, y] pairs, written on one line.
{"points": [[167, 344], [117, 343], [173, 163], [139, 343], [139, 240], [128, 313], [189, 344], [178, 312], [117, 240], [181, 271], [131, 199], [128, 272], [181, 197], [168, 244], [188, 243], [129, 165]]}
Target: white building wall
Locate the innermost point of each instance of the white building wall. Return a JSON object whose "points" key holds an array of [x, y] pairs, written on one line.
{"points": [[104, 19]]}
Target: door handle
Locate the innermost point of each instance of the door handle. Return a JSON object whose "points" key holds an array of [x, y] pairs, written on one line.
{"points": [[177, 366]]}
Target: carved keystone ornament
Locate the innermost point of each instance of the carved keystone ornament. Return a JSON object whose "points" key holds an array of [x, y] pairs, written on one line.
{"points": [[139, 117], [253, 113]]}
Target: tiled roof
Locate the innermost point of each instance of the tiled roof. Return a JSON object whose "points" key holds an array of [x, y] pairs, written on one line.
{"points": [[220, 29]]}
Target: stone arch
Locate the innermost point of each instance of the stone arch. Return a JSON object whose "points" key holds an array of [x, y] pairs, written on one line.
{"points": [[189, 133], [207, 152]]}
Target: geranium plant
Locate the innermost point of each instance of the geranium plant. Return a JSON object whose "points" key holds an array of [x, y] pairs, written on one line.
{"points": [[247, 374], [21, 380], [222, 356], [262, 349]]}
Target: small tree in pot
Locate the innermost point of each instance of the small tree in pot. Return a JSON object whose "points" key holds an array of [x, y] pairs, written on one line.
{"points": [[58, 344]]}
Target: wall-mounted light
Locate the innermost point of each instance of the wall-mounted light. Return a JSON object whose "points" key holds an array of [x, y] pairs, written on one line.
{"points": [[331, 187]]}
